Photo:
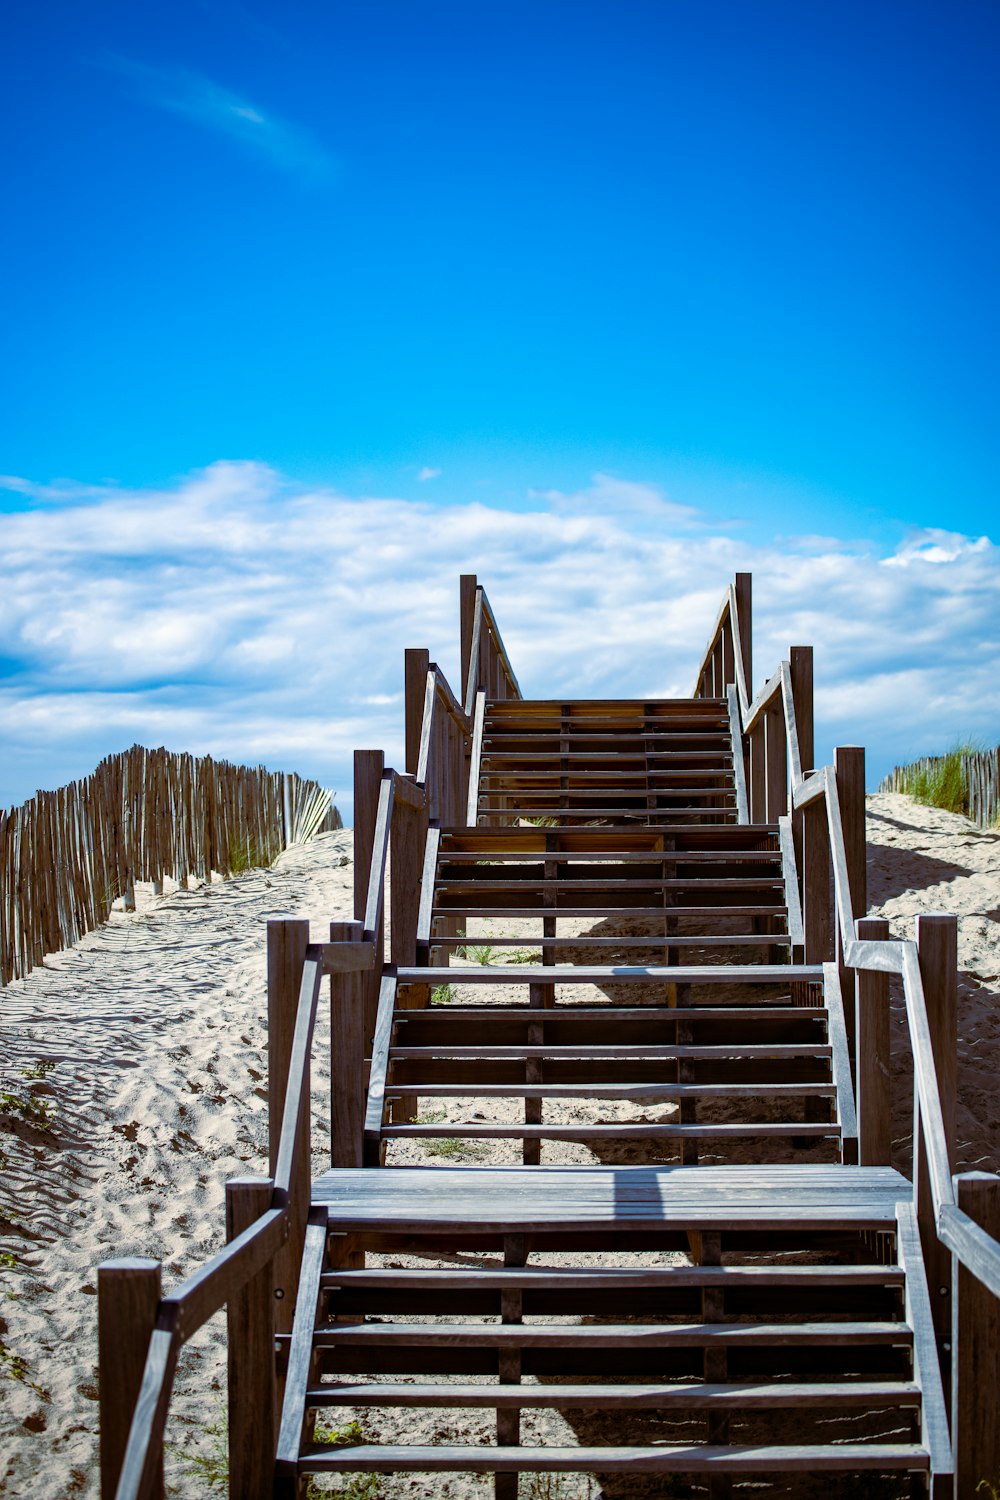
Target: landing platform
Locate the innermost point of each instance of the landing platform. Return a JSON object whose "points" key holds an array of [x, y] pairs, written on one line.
{"points": [[425, 1200]]}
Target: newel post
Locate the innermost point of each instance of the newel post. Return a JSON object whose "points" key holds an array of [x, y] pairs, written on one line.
{"points": [[849, 766], [253, 1433], [975, 1369], [128, 1295], [937, 949], [348, 1051], [368, 768], [416, 665], [287, 942], [872, 1032], [467, 617], [743, 588]]}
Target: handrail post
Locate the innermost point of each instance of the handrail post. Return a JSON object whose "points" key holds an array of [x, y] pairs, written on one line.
{"points": [[467, 584], [743, 587], [937, 951], [873, 1075], [800, 663], [849, 765], [975, 1396], [128, 1295], [287, 942], [348, 1049], [817, 911], [369, 766], [775, 762], [416, 663], [253, 1434], [408, 836]]}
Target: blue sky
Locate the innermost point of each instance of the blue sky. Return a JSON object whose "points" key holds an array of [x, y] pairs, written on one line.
{"points": [[715, 278]]}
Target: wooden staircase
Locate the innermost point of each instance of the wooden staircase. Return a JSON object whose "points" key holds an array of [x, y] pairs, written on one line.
{"points": [[610, 1211], [609, 978]]}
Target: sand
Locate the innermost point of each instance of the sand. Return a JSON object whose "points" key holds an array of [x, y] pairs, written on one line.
{"points": [[155, 1026]]}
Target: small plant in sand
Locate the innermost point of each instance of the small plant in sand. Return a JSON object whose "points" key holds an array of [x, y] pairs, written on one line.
{"points": [[442, 994], [249, 854], [348, 1486], [445, 1145], [212, 1467], [557, 1487]]}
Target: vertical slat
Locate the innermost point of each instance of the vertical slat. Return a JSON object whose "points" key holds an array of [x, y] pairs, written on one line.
{"points": [[286, 954], [515, 1255], [873, 1076], [937, 951], [250, 1354], [975, 1394], [128, 1295], [758, 768], [348, 1049], [368, 768]]}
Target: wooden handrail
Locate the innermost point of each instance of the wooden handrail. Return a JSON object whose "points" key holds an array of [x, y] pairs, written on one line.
{"points": [[484, 616], [977, 1250], [210, 1287]]}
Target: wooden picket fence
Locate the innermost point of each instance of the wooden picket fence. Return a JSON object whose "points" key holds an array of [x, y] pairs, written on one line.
{"points": [[67, 856], [980, 774]]}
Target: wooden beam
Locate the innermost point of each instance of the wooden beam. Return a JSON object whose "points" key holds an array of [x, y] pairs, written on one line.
{"points": [[873, 1071], [816, 884], [849, 769], [287, 942], [348, 1048], [937, 952], [743, 589], [975, 1400], [253, 1430], [128, 1295], [467, 610], [368, 768], [415, 665]]}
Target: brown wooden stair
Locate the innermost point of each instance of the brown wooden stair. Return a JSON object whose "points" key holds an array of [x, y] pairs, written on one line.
{"points": [[571, 763], [742, 1323]]}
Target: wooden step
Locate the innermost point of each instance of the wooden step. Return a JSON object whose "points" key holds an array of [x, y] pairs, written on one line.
{"points": [[645, 1092], [611, 1335], [661, 1459], [684, 1396], [524, 974], [766, 1130], [632, 1053], [613, 1278]]}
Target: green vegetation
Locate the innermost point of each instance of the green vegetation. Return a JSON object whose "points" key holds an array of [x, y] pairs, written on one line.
{"points": [[941, 781], [442, 994], [445, 1145], [249, 854], [350, 1486], [211, 1469]]}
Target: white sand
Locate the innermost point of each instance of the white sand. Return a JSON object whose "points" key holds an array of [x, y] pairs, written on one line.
{"points": [[156, 1026]]}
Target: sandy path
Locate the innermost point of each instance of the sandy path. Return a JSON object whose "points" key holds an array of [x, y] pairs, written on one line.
{"points": [[156, 1026]]}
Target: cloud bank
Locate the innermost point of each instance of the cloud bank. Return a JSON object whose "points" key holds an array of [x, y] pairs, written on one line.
{"points": [[239, 615]]}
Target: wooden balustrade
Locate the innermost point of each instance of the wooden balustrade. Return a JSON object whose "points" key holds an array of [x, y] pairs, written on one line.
{"points": [[958, 1219]]}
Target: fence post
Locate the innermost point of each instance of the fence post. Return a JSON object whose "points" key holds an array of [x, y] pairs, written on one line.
{"points": [[416, 664], [286, 954], [937, 949], [253, 1437], [849, 767], [128, 1295], [873, 1075], [975, 1396]]}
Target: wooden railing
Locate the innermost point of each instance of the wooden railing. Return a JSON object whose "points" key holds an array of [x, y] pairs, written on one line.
{"points": [[67, 856], [485, 664], [958, 1215]]}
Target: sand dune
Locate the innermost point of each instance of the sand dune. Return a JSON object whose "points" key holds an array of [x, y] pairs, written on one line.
{"points": [[156, 1028]]}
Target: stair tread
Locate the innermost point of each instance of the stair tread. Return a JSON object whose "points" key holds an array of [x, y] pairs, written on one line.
{"points": [[612, 1335], [689, 1395], [659, 1458], [596, 973], [646, 1277]]}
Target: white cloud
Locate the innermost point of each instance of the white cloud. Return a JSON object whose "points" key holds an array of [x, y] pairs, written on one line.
{"points": [[237, 614], [427, 473], [608, 496], [290, 147]]}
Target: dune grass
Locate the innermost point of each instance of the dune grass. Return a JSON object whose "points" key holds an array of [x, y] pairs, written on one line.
{"points": [[941, 781]]}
